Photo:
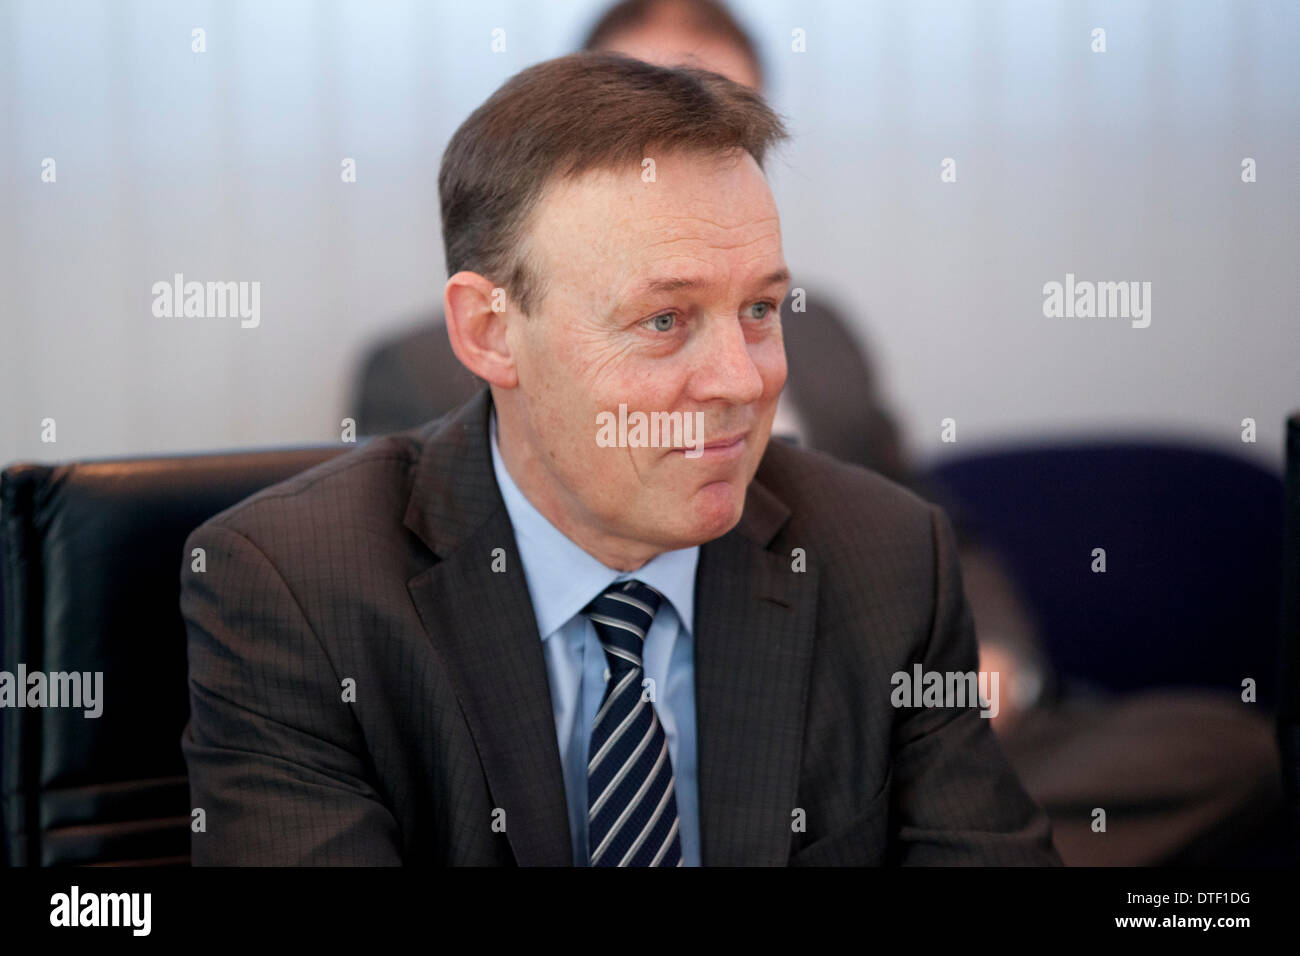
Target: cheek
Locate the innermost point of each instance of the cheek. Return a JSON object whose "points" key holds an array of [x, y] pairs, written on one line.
{"points": [[555, 374], [769, 359], [622, 376]]}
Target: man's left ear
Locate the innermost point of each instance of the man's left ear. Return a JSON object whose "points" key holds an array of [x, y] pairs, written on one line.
{"points": [[476, 330]]}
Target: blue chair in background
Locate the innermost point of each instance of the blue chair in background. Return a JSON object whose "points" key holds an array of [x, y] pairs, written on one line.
{"points": [[1193, 542]]}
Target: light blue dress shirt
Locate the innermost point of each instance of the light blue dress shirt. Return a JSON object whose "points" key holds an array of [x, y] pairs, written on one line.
{"points": [[562, 578]]}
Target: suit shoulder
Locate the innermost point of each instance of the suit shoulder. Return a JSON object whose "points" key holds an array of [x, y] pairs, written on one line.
{"points": [[865, 534], [371, 479], [832, 498]]}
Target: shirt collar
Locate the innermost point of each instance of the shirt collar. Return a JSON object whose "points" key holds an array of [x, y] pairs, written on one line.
{"points": [[562, 578]]}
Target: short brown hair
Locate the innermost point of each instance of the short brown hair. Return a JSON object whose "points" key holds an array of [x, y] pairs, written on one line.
{"points": [[564, 117]]}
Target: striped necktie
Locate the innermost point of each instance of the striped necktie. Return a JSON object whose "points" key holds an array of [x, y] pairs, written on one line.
{"points": [[631, 800]]}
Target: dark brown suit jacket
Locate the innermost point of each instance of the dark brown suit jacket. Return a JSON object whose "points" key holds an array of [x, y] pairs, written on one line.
{"points": [[374, 571]]}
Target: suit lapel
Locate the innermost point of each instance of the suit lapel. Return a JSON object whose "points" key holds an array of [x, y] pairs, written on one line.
{"points": [[755, 620], [482, 624], [754, 624]]}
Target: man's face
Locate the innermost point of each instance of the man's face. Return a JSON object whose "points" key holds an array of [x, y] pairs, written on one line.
{"points": [[605, 336]]}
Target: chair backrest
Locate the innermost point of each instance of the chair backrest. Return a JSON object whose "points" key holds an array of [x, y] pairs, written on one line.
{"points": [[92, 562], [1193, 557], [1289, 710]]}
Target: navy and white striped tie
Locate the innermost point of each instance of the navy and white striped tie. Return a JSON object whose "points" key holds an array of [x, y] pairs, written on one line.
{"points": [[631, 798]]}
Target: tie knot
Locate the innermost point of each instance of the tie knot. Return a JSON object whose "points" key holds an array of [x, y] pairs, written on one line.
{"points": [[622, 614]]}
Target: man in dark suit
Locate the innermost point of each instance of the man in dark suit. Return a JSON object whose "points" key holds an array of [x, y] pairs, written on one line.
{"points": [[1073, 749], [522, 634]]}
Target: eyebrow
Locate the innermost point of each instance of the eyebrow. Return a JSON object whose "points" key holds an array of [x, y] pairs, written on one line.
{"points": [[676, 283]]}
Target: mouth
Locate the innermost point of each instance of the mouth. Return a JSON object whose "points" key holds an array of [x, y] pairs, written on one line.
{"points": [[720, 449]]}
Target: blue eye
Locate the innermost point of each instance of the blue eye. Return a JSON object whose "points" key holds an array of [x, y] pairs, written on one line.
{"points": [[763, 305], [664, 322]]}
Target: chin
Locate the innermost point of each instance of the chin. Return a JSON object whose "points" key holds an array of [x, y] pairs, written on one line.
{"points": [[717, 509]]}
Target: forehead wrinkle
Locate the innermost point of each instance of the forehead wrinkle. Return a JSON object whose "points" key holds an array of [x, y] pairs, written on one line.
{"points": [[712, 245], [746, 224], [706, 275]]}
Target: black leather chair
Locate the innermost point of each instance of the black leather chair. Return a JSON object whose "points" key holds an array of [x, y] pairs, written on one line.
{"points": [[91, 556]]}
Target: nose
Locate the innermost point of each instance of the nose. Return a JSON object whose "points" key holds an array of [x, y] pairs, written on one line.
{"points": [[727, 370]]}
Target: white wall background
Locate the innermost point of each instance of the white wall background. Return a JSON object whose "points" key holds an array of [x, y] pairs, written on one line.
{"points": [[225, 166]]}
